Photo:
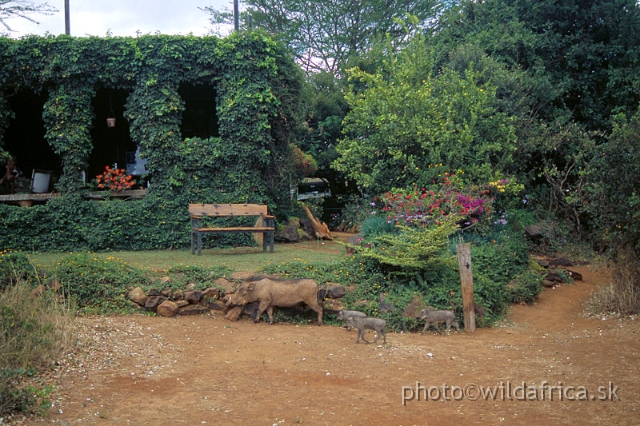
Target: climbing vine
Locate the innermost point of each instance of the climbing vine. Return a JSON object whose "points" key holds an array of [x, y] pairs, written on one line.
{"points": [[256, 85]]}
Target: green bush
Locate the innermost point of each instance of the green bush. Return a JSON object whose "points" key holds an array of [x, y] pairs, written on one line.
{"points": [[98, 284], [18, 397], [15, 266], [524, 288]]}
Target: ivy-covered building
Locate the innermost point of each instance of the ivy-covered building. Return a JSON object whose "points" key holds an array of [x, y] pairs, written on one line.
{"points": [[211, 116]]}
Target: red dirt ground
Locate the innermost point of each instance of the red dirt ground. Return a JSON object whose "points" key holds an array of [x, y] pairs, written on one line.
{"points": [[208, 370]]}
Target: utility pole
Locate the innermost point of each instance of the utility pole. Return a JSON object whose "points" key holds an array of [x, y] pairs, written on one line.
{"points": [[236, 18], [67, 18]]}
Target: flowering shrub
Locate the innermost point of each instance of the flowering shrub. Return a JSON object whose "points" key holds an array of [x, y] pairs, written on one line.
{"points": [[115, 179], [422, 206]]}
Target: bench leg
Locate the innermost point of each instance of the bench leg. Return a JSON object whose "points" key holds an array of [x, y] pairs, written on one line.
{"points": [[193, 243], [199, 243], [271, 239]]}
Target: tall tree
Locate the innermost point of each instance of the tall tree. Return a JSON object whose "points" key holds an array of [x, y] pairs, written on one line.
{"points": [[325, 33], [408, 126], [22, 9], [582, 55]]}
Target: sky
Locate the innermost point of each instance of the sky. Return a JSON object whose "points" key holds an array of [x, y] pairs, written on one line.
{"points": [[121, 18]]}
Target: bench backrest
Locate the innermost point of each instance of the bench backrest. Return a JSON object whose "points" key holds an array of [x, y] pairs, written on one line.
{"points": [[220, 210]]}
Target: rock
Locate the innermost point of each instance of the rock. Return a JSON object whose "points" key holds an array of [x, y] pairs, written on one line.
{"points": [[227, 286], [289, 234], [138, 296], [534, 232], [547, 283], [576, 276], [153, 302], [38, 291], [333, 305], [167, 309], [193, 310], [234, 313], [154, 292], [335, 291], [217, 306], [543, 263], [178, 295], [554, 277], [211, 293], [165, 280], [181, 303], [166, 293], [563, 261], [193, 296], [190, 286]]}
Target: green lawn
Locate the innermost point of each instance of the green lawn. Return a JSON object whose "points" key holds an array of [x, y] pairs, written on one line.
{"points": [[236, 259]]}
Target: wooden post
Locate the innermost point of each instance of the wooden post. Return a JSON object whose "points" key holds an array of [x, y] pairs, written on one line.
{"points": [[466, 279]]}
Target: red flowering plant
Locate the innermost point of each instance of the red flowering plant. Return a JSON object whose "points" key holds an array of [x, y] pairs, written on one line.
{"points": [[450, 198], [115, 179]]}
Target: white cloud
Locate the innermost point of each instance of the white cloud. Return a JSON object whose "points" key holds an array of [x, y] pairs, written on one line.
{"points": [[122, 18]]}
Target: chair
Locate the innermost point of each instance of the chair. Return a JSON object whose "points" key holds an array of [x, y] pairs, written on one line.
{"points": [[40, 181]]}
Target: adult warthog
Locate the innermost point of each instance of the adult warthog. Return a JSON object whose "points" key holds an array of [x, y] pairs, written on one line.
{"points": [[271, 292]]}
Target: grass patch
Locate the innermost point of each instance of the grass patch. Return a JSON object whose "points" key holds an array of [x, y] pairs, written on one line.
{"points": [[236, 259], [622, 296], [34, 331]]}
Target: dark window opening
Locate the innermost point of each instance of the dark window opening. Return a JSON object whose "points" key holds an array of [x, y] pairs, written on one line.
{"points": [[199, 119], [112, 142], [25, 137]]}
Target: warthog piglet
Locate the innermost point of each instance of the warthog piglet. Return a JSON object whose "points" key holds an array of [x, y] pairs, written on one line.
{"points": [[435, 318], [345, 315], [366, 323]]}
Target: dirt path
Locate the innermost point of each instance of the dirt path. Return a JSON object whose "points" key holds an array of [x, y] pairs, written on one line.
{"points": [[208, 370]]}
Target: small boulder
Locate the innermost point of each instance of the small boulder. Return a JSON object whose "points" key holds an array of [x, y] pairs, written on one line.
{"points": [[138, 296], [576, 276], [217, 306], [167, 309], [193, 296], [335, 291], [193, 310], [153, 302], [227, 286], [178, 294], [563, 261], [534, 232], [211, 293]]}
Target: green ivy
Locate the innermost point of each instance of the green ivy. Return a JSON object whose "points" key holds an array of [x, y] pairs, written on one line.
{"points": [[257, 87]]}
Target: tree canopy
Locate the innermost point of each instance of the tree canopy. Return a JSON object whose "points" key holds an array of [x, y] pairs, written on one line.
{"points": [[325, 34]]}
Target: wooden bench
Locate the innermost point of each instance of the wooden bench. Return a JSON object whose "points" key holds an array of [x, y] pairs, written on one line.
{"points": [[265, 223]]}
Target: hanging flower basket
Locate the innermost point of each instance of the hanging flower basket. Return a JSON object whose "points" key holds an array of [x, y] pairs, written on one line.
{"points": [[111, 122]]}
